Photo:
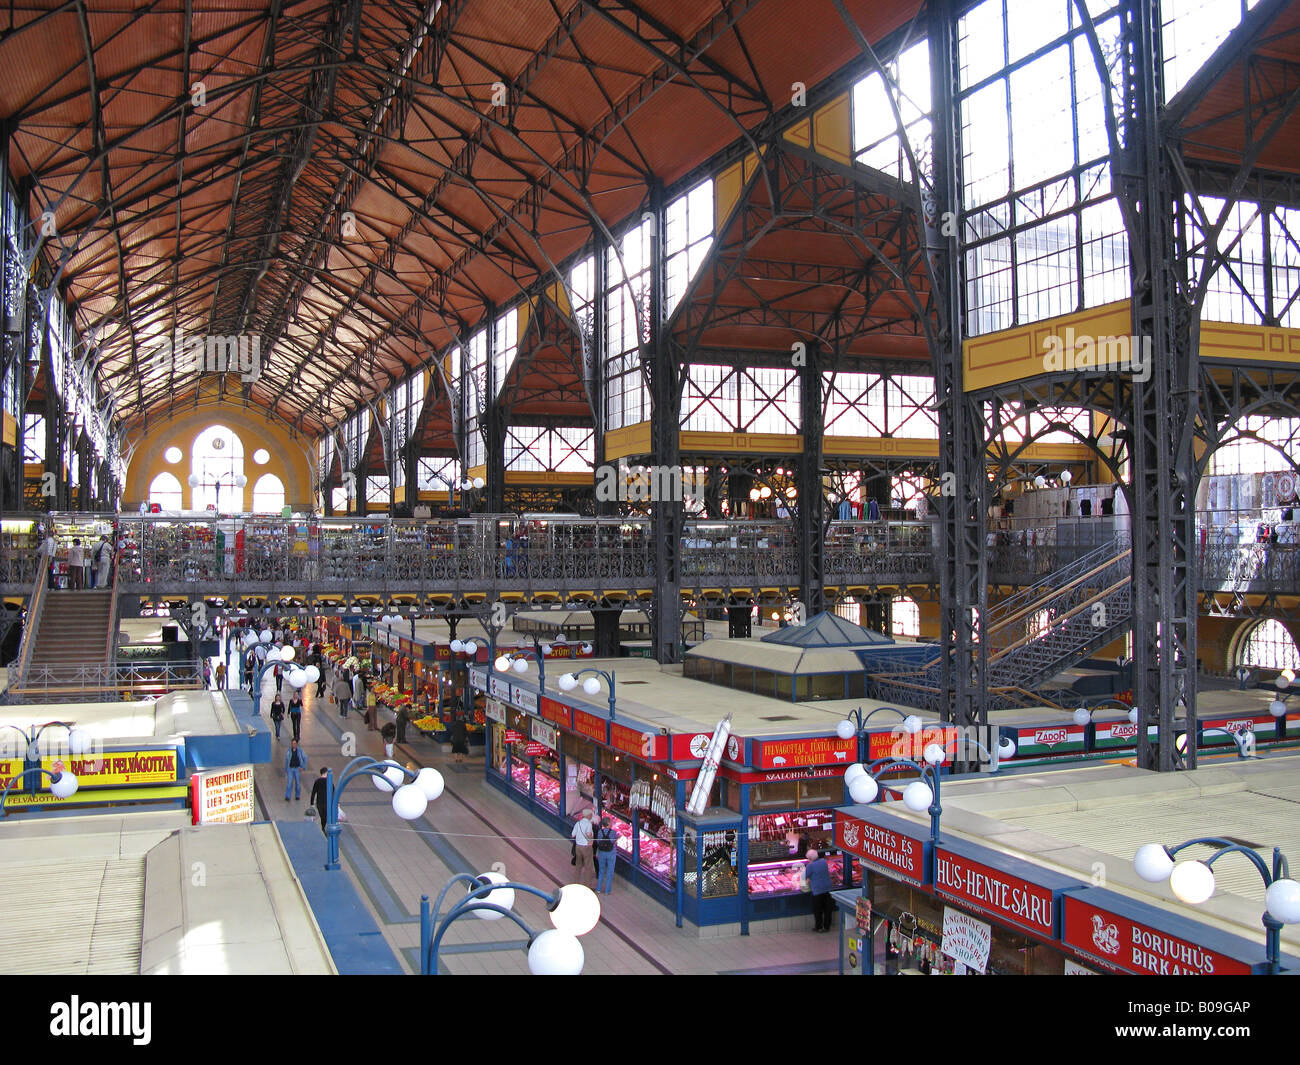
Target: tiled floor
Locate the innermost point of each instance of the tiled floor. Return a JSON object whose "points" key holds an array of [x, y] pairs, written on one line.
{"points": [[474, 828]]}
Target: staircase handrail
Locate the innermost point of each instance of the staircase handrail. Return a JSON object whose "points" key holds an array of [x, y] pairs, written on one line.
{"points": [[35, 608]]}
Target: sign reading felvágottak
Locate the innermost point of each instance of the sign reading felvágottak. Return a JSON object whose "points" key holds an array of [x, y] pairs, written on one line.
{"points": [[158, 765]]}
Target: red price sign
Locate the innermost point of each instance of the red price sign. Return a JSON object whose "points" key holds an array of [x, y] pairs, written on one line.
{"points": [[512, 736]]}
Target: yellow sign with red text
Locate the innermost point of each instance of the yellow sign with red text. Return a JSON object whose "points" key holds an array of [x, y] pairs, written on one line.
{"points": [[10, 770], [158, 765]]}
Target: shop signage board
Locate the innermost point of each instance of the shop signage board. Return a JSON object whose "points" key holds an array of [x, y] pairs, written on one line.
{"points": [[106, 769], [591, 726], [1038, 741], [886, 843], [523, 698], [10, 770], [1118, 734], [645, 745], [478, 679], [898, 743], [1264, 726], [816, 750], [1128, 936], [989, 882], [810, 773], [500, 689], [966, 940], [556, 712], [693, 746], [222, 796], [544, 733], [536, 750], [494, 711], [1073, 968], [513, 736], [148, 793]]}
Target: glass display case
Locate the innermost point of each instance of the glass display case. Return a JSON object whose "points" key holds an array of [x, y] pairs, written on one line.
{"points": [[520, 772], [658, 858], [717, 869], [546, 780], [782, 877]]}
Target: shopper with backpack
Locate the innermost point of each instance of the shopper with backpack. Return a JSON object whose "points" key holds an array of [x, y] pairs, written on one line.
{"points": [[606, 857]]}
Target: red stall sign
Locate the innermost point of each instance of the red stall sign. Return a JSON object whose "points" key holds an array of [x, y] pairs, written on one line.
{"points": [[594, 728], [645, 745], [513, 736], [995, 892], [816, 750], [556, 712], [899, 743], [1127, 945], [882, 848]]}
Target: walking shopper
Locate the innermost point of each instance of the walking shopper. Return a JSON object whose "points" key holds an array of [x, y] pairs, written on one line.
{"points": [[277, 714], [343, 692], [103, 560], [221, 676], [459, 739], [295, 714], [320, 799], [582, 835], [52, 557], [606, 856], [76, 565], [295, 761], [359, 696], [819, 883]]}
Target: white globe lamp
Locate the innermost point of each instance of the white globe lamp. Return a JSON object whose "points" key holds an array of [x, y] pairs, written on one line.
{"points": [[917, 796], [1192, 882], [854, 772], [934, 754], [1283, 901], [409, 802], [65, 786], [864, 789], [555, 953], [591, 685], [845, 730], [912, 724], [521, 665], [390, 778], [1152, 863], [568, 682], [430, 781], [577, 911], [503, 897]]}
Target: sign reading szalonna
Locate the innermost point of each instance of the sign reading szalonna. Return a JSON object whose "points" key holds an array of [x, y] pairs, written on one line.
{"points": [[886, 843]]}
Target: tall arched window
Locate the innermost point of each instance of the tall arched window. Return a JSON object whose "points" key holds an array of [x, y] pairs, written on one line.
{"points": [[165, 490], [1269, 645], [906, 617], [268, 494], [217, 463]]}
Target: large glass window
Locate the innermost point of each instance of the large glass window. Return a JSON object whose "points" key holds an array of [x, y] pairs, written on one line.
{"points": [[687, 239], [268, 494], [875, 129], [1040, 233], [1270, 645], [165, 490], [627, 324], [217, 460]]}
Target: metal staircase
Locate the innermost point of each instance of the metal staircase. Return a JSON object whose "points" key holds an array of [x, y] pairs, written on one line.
{"points": [[1033, 635]]}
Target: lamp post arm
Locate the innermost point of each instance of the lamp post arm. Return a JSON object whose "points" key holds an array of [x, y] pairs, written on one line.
{"points": [[1227, 847], [471, 902], [38, 770]]}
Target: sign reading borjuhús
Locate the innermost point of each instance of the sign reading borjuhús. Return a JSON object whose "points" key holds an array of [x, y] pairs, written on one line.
{"points": [[884, 842], [1104, 927], [1016, 892]]}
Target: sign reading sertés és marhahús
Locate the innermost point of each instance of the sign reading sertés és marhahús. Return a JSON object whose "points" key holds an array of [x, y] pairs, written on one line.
{"points": [[222, 796], [114, 768], [966, 940]]}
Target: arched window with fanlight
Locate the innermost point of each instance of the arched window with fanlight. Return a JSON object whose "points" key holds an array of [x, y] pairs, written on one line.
{"points": [[165, 490], [217, 471], [1269, 645], [268, 494], [905, 617]]}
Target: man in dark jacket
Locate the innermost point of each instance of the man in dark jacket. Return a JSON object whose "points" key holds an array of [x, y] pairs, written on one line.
{"points": [[320, 798], [819, 883]]}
